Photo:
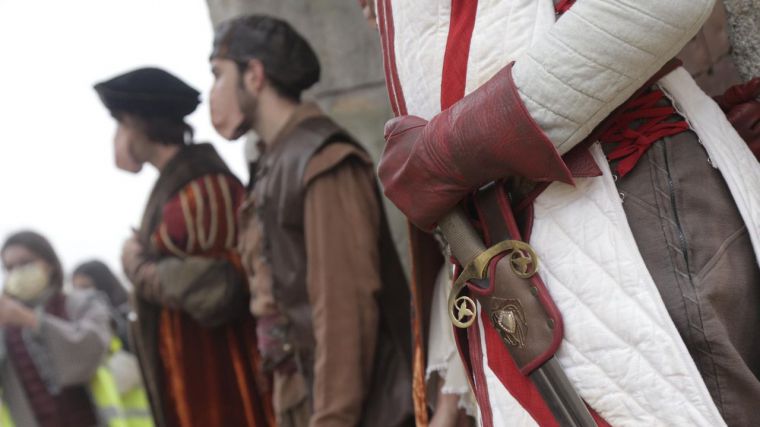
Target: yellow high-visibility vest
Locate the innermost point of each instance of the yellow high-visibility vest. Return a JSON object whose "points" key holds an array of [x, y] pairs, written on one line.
{"points": [[106, 398], [131, 409], [5, 416], [137, 408]]}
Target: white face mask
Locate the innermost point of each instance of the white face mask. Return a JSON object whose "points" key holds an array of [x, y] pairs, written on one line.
{"points": [[27, 283]]}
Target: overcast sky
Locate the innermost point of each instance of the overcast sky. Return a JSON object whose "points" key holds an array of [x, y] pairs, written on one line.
{"points": [[56, 156]]}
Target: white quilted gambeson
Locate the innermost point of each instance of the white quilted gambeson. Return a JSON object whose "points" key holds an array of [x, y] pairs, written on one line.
{"points": [[596, 56], [621, 350]]}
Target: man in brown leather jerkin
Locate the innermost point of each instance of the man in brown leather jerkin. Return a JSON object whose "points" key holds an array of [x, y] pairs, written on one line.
{"points": [[327, 287]]}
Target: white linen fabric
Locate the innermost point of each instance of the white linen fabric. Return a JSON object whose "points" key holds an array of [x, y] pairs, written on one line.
{"points": [[442, 354]]}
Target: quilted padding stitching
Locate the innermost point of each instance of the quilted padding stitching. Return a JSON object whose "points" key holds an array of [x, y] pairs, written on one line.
{"points": [[633, 7], [614, 36], [625, 290], [620, 390], [615, 378], [560, 82], [542, 106], [533, 106], [587, 58], [568, 137]]}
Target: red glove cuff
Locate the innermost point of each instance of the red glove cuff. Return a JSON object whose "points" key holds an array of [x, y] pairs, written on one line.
{"points": [[428, 167]]}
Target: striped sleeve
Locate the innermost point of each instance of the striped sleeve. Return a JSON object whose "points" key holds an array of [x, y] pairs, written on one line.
{"points": [[201, 219]]}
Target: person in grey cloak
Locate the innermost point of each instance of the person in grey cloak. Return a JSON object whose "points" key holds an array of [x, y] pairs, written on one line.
{"points": [[51, 343], [96, 275]]}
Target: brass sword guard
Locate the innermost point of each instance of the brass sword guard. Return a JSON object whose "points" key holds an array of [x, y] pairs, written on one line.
{"points": [[522, 260]]}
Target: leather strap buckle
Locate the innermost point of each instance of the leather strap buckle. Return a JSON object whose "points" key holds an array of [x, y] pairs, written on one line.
{"points": [[522, 260]]}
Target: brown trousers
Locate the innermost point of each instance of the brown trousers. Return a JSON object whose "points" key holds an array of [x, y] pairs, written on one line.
{"points": [[697, 249]]}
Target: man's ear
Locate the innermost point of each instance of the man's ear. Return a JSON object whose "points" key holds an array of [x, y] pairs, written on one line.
{"points": [[254, 77]]}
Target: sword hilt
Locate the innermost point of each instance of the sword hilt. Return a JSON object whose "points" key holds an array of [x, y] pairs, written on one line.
{"points": [[464, 242]]}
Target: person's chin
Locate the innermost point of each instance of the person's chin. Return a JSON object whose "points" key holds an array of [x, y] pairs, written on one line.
{"points": [[133, 169]]}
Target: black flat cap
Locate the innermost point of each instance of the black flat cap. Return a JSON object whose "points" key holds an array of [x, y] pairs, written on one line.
{"points": [[287, 57], [148, 92]]}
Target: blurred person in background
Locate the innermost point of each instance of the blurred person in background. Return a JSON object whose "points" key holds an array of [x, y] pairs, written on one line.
{"points": [[193, 336], [52, 344], [96, 275], [328, 291], [123, 372]]}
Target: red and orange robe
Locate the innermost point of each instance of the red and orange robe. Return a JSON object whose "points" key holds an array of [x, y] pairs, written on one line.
{"points": [[209, 373], [195, 337]]}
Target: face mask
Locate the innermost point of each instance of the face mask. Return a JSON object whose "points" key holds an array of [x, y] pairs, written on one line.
{"points": [[226, 115], [27, 283], [124, 158]]}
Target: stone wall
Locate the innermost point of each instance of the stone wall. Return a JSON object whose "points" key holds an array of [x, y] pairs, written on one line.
{"points": [[744, 31]]}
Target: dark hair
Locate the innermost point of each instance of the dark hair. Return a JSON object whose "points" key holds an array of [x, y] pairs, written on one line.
{"points": [[40, 246], [163, 130], [104, 280], [291, 93]]}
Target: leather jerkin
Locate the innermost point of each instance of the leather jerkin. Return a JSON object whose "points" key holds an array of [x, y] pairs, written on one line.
{"points": [[279, 192]]}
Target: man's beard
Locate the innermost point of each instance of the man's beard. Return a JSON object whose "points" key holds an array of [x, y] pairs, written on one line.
{"points": [[249, 107]]}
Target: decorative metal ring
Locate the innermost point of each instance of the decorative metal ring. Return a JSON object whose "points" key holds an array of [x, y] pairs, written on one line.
{"points": [[523, 260], [466, 312]]}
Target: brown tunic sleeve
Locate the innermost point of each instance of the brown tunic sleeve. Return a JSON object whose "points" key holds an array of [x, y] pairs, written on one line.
{"points": [[342, 227]]}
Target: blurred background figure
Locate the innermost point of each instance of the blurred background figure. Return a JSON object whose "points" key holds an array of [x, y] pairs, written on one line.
{"points": [[121, 368], [193, 335], [95, 40], [52, 344], [328, 290], [96, 275]]}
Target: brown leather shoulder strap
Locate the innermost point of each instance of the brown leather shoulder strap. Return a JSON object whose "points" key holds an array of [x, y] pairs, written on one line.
{"points": [[280, 172]]}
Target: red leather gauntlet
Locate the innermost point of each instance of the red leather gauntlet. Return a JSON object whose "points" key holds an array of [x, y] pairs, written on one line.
{"points": [[741, 103], [428, 167]]}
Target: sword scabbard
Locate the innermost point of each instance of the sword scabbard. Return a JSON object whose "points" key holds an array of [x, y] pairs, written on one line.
{"points": [[514, 298]]}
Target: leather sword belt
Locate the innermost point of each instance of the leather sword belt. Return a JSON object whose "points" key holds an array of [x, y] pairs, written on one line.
{"points": [[500, 272], [504, 279]]}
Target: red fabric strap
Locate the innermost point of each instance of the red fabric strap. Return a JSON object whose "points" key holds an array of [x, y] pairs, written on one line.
{"points": [[563, 6], [656, 123], [457, 53], [739, 94]]}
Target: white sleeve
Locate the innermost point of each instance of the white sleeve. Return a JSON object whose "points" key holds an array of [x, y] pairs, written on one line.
{"points": [[596, 56], [76, 346]]}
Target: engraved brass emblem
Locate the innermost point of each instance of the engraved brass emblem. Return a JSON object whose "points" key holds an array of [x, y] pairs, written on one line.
{"points": [[466, 312], [509, 319], [522, 260]]}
